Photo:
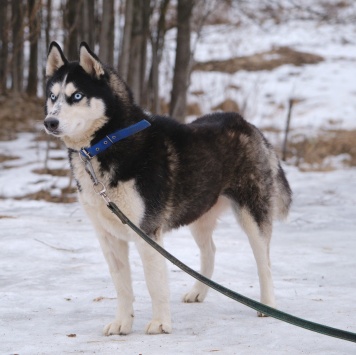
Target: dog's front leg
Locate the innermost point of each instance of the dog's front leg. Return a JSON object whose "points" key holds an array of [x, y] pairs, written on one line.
{"points": [[116, 255], [156, 276]]}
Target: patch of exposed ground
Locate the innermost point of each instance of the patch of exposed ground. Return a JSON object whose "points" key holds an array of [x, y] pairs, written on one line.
{"points": [[4, 157], [260, 61], [314, 151], [67, 196], [19, 114], [53, 172]]}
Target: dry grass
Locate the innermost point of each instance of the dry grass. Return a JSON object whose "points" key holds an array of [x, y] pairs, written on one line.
{"points": [[313, 151], [19, 114], [193, 109], [261, 61], [4, 158], [53, 172], [67, 196], [228, 105]]}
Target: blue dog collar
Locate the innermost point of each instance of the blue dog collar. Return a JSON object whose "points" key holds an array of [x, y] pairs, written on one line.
{"points": [[109, 140]]}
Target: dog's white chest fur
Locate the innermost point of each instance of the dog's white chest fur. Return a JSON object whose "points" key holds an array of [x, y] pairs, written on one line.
{"points": [[125, 195]]}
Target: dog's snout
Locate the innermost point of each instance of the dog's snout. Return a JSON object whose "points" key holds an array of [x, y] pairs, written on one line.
{"points": [[51, 123]]}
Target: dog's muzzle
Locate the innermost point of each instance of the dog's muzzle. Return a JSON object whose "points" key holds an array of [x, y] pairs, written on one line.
{"points": [[51, 124]]}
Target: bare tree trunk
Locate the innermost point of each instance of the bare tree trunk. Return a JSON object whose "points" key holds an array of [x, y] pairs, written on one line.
{"points": [[286, 131], [47, 16], [106, 50], [138, 49], [4, 40], [33, 14], [48, 22], [17, 14], [157, 43], [182, 61], [124, 57], [146, 13], [71, 28], [88, 20]]}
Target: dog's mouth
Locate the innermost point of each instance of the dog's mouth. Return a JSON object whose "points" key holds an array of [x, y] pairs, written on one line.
{"points": [[54, 133]]}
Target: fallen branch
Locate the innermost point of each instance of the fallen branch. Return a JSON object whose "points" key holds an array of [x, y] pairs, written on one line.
{"points": [[56, 248]]}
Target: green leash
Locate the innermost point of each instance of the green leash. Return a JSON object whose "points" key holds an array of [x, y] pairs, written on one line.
{"points": [[272, 312]]}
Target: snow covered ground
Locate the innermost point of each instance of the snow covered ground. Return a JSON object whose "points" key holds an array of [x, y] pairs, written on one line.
{"points": [[56, 294]]}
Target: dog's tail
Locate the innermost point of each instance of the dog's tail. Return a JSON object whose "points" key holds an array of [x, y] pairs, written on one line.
{"points": [[283, 195]]}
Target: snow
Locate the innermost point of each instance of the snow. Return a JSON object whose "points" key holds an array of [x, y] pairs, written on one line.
{"points": [[31, 156], [56, 292]]}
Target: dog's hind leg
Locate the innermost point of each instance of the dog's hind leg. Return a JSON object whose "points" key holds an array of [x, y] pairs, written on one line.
{"points": [[202, 231], [156, 276], [116, 255], [259, 237]]}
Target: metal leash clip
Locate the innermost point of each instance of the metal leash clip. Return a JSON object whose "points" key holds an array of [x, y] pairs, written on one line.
{"points": [[101, 192], [96, 183]]}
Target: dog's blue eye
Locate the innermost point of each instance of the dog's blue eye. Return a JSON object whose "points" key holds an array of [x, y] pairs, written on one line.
{"points": [[77, 96], [52, 97]]}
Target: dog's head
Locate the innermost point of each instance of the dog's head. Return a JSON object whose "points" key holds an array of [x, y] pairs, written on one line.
{"points": [[81, 96]]}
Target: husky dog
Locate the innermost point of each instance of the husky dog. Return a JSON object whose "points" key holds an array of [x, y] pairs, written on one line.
{"points": [[163, 177]]}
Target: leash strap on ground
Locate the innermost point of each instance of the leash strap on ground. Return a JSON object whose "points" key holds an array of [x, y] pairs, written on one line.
{"points": [[260, 307]]}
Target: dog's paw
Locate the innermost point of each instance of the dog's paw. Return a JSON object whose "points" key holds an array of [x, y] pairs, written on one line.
{"points": [[270, 304], [119, 327], [158, 327], [194, 296]]}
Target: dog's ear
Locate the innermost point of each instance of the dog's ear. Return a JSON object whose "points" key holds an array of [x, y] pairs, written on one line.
{"points": [[55, 59], [89, 61]]}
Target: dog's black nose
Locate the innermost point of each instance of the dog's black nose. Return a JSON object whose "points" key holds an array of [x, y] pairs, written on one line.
{"points": [[51, 123]]}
